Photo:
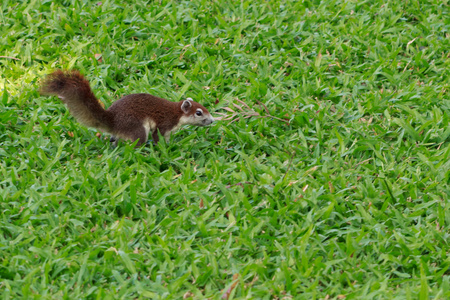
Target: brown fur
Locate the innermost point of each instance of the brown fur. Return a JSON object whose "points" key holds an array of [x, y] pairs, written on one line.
{"points": [[125, 118]]}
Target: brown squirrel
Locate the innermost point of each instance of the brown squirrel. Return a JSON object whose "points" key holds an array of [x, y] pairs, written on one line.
{"points": [[132, 117]]}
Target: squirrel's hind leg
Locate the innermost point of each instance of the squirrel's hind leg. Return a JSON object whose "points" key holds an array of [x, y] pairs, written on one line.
{"points": [[141, 134]]}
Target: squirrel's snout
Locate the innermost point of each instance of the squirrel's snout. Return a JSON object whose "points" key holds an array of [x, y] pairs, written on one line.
{"points": [[208, 121]]}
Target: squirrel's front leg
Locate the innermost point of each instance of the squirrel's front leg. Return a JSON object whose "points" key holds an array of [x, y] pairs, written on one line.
{"points": [[113, 141], [155, 137]]}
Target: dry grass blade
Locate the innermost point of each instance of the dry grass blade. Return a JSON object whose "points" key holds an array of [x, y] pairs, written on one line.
{"points": [[265, 107], [243, 103], [9, 57], [237, 106], [228, 109], [245, 114], [227, 293]]}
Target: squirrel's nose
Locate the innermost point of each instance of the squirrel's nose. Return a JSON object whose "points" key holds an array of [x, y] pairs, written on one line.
{"points": [[208, 121]]}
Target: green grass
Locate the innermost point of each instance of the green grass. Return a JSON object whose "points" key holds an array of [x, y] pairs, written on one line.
{"points": [[334, 182]]}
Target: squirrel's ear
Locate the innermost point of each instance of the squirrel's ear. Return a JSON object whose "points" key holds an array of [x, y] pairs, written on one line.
{"points": [[186, 105]]}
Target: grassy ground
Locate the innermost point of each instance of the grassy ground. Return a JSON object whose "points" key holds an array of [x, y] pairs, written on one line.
{"points": [[328, 178]]}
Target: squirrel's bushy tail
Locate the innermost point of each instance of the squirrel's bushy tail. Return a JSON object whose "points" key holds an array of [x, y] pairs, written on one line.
{"points": [[74, 90]]}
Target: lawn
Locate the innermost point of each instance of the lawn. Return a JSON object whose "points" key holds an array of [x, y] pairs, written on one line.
{"points": [[328, 176]]}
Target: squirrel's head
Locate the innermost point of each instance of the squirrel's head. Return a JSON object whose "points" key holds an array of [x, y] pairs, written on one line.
{"points": [[194, 114]]}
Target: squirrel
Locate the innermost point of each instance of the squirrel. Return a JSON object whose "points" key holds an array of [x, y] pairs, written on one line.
{"points": [[132, 117]]}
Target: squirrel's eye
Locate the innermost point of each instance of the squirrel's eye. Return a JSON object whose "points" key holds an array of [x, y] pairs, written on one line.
{"points": [[198, 113]]}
